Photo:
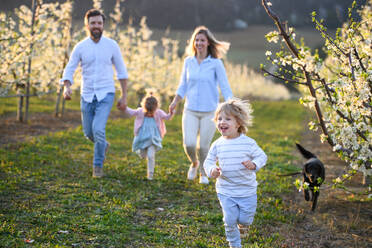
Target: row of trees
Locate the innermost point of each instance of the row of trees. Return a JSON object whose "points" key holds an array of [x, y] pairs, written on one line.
{"points": [[338, 88], [35, 45]]}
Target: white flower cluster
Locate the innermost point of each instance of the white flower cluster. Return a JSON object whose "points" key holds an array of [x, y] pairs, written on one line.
{"points": [[272, 36]]}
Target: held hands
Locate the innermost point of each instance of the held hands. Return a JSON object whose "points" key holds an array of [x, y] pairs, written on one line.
{"points": [[172, 112], [249, 165], [122, 104], [216, 172], [172, 107]]}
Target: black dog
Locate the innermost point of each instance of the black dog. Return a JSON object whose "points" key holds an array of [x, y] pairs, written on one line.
{"points": [[314, 174]]}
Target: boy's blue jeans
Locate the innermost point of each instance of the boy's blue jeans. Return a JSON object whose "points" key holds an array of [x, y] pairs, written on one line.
{"points": [[94, 117], [237, 210]]}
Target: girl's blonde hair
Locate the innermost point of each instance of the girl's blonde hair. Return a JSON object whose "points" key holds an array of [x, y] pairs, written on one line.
{"points": [[216, 48], [241, 110], [150, 103]]}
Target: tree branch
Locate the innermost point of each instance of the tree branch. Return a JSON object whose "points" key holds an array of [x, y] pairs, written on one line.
{"points": [[294, 51], [359, 60], [282, 78], [330, 39]]}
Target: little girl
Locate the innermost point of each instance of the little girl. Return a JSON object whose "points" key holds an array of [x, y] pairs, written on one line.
{"points": [[239, 158], [149, 130]]}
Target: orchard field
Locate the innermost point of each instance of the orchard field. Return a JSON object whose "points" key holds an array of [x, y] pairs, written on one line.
{"points": [[49, 199]]}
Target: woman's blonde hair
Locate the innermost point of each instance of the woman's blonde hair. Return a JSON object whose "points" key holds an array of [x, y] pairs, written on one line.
{"points": [[241, 110], [150, 103], [216, 48]]}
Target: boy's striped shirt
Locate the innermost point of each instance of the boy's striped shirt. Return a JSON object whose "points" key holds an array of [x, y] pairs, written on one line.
{"points": [[235, 180]]}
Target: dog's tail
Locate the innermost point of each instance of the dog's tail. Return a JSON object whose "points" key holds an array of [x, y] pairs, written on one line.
{"points": [[305, 152]]}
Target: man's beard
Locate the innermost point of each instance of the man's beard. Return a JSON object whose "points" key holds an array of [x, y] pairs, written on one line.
{"points": [[96, 34]]}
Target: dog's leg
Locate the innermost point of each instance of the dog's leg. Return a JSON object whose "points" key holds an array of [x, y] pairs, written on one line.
{"points": [[306, 194], [315, 200], [311, 193], [306, 190]]}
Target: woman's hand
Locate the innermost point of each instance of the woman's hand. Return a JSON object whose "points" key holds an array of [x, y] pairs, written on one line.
{"points": [[173, 105], [249, 165]]}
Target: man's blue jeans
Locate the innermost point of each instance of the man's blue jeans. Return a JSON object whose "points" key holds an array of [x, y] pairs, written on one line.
{"points": [[94, 117], [237, 210]]}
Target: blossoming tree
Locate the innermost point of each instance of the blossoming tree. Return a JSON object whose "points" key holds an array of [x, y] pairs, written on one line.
{"points": [[338, 88]]}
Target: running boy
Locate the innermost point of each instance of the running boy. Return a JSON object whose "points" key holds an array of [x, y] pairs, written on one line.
{"points": [[239, 158]]}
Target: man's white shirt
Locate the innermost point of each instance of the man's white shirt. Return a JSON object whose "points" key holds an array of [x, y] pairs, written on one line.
{"points": [[96, 60]]}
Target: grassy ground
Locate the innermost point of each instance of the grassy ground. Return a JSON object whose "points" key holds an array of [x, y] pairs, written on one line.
{"points": [[48, 198], [44, 104]]}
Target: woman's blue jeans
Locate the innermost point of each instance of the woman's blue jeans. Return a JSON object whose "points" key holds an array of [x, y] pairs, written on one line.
{"points": [[237, 210], [94, 117]]}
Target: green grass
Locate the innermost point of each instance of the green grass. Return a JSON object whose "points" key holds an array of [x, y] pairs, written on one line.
{"points": [[47, 193], [44, 104]]}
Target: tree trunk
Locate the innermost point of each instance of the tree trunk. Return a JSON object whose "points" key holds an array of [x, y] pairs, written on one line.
{"points": [[28, 84], [65, 61], [19, 110], [59, 97]]}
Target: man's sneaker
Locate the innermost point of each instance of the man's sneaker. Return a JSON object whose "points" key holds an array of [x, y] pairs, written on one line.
{"points": [[97, 172], [244, 230], [193, 170], [203, 180]]}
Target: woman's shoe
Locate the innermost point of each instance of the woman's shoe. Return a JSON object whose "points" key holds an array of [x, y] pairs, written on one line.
{"points": [[193, 170], [203, 180]]}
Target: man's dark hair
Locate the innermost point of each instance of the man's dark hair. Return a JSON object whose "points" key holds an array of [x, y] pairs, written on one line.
{"points": [[93, 12]]}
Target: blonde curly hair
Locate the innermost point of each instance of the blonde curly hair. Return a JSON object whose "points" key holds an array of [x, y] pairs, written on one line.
{"points": [[241, 110]]}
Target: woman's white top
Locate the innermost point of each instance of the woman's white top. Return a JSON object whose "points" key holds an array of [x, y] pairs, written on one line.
{"points": [[199, 83]]}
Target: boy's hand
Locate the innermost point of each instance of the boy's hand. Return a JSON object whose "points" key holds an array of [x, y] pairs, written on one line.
{"points": [[249, 165], [216, 172]]}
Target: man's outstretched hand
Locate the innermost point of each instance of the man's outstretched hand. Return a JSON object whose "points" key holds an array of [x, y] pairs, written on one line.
{"points": [[67, 92]]}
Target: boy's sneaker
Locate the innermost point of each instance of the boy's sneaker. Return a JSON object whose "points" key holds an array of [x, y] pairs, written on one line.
{"points": [[97, 172], [193, 170], [203, 180], [244, 230]]}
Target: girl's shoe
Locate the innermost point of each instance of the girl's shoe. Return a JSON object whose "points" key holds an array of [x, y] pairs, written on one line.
{"points": [[203, 180], [193, 170], [150, 176]]}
